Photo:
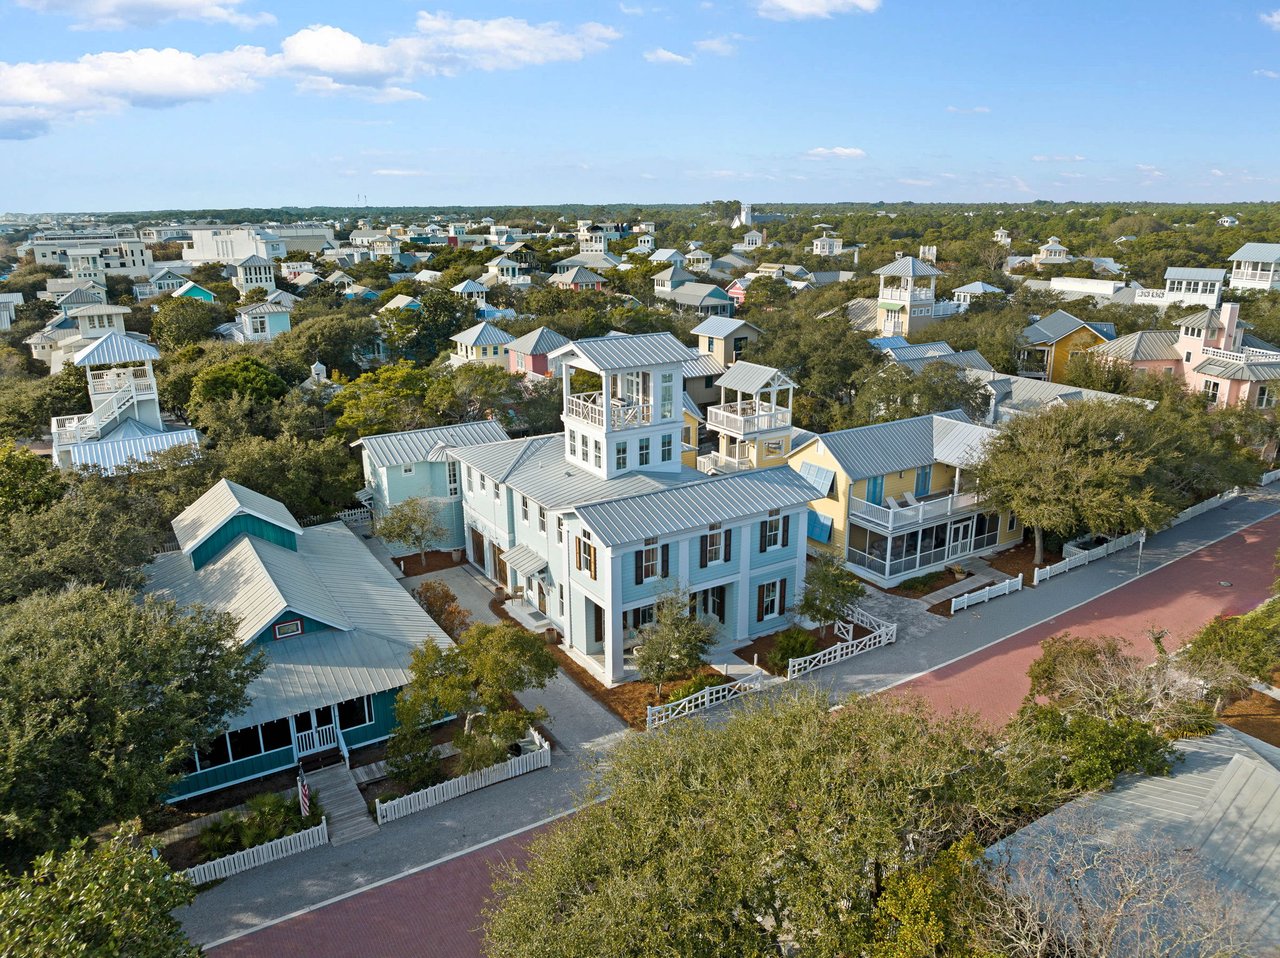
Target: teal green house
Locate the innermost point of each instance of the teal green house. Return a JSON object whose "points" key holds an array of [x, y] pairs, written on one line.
{"points": [[336, 628], [190, 290]]}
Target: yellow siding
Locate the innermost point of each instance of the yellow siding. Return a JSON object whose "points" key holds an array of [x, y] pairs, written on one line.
{"points": [[836, 509], [1060, 352]]}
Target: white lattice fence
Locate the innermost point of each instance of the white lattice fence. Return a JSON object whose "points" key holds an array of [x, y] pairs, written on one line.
{"points": [[699, 701], [420, 801], [882, 633], [271, 851]]}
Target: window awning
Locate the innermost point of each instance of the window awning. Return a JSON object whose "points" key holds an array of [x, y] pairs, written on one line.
{"points": [[821, 479], [819, 527], [524, 561]]}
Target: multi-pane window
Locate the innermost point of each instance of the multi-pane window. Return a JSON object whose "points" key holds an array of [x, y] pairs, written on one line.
{"points": [[482, 481], [649, 560], [715, 544], [573, 443], [524, 509], [642, 451], [768, 600], [771, 534], [668, 396], [542, 519], [407, 469], [453, 478], [666, 447], [1266, 397], [586, 554], [560, 529], [1211, 390], [595, 444], [620, 455], [471, 486]]}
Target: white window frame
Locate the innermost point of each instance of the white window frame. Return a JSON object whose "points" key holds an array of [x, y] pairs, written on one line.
{"points": [[715, 544], [772, 533], [524, 509], [769, 607], [285, 630], [406, 469], [451, 470], [542, 519], [665, 445], [649, 565]]}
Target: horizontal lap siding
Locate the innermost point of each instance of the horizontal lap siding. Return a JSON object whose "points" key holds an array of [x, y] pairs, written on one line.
{"points": [[246, 768], [235, 526]]}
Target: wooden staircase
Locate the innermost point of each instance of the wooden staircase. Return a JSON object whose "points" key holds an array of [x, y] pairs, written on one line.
{"points": [[349, 818]]}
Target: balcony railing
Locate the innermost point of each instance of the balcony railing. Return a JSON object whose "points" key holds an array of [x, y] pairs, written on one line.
{"points": [[1248, 354], [104, 382], [868, 513], [1254, 275], [748, 417], [723, 464], [898, 294], [590, 408]]}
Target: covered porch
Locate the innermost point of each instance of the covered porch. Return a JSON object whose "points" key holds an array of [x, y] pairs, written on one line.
{"points": [[890, 558]]}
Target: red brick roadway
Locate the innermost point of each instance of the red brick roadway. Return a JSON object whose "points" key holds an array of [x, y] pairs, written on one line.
{"points": [[1179, 597], [432, 913], [435, 912]]}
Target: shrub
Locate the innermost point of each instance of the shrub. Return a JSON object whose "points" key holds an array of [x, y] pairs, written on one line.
{"points": [[270, 816], [695, 685], [794, 643], [442, 605], [921, 583], [1248, 642]]}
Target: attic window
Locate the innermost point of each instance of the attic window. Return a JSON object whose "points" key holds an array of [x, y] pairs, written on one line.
{"points": [[285, 629]]}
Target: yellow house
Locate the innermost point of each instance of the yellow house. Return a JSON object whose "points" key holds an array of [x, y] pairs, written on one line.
{"points": [[721, 340], [752, 421], [896, 500], [693, 419], [1053, 340]]}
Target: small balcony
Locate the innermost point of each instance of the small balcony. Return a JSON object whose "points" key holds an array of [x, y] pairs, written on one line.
{"points": [[722, 464], [921, 511], [106, 382], [611, 415], [898, 294], [748, 418]]}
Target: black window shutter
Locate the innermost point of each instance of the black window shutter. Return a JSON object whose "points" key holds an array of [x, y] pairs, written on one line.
{"points": [[759, 603], [764, 541], [786, 530], [728, 544], [639, 567], [666, 560], [702, 553], [782, 596]]}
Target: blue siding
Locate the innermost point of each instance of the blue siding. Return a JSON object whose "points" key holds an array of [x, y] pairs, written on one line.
{"points": [[208, 550], [715, 570]]}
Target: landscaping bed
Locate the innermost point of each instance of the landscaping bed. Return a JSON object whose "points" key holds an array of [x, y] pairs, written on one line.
{"points": [[269, 816], [413, 565], [1018, 560], [758, 652], [922, 585]]}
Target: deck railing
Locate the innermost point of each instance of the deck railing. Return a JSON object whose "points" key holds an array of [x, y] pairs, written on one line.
{"points": [[748, 417], [590, 408], [903, 516]]}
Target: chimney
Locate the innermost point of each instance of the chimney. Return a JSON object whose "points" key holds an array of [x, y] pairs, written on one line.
{"points": [[897, 254]]}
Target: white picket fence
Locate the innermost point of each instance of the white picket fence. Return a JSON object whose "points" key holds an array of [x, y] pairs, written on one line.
{"points": [[716, 695], [1269, 477], [270, 851], [540, 757], [352, 517], [882, 633], [982, 595], [1201, 507], [1084, 556]]}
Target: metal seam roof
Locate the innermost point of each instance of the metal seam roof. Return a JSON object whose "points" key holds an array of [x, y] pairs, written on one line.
{"points": [[418, 445]]}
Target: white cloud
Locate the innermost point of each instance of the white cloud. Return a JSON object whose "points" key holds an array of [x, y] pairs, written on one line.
{"points": [[1271, 19], [812, 9], [325, 60], [663, 55], [119, 14], [971, 109], [842, 152], [1072, 176], [908, 181], [1150, 170], [631, 11], [720, 46], [1057, 158], [401, 172], [1269, 74]]}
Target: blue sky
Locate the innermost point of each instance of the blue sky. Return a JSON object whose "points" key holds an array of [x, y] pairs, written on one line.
{"points": [[131, 104]]}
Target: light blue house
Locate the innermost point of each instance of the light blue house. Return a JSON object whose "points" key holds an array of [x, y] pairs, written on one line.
{"points": [[415, 465], [592, 525], [335, 626], [190, 290], [257, 323]]}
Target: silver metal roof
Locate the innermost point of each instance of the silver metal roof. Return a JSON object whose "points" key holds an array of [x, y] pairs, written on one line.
{"points": [[1259, 370], [888, 447], [1052, 328], [714, 499], [119, 447], [1151, 345], [1209, 319], [1192, 273], [115, 348], [422, 445], [751, 378], [539, 342], [909, 266], [222, 501], [524, 560], [697, 294], [1018, 394], [576, 274], [1257, 253], [720, 327], [482, 334], [607, 353], [967, 359], [702, 364]]}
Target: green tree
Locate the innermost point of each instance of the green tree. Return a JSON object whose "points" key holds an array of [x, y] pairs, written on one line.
{"points": [[113, 900], [27, 482], [891, 392], [184, 320], [247, 376], [390, 398], [674, 643], [471, 392], [101, 698], [831, 592], [423, 333], [311, 477], [414, 522]]}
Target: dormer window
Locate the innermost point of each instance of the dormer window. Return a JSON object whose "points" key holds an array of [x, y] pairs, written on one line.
{"points": [[284, 630]]}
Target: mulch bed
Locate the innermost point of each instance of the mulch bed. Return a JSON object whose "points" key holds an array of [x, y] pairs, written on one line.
{"points": [[1018, 560], [1256, 714], [757, 653], [933, 582], [413, 565]]}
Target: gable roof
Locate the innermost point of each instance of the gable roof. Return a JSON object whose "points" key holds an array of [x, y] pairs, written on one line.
{"points": [[468, 286], [254, 260], [880, 449], [674, 274], [978, 288], [1188, 272], [643, 516], [1057, 325], [260, 308], [1148, 345], [578, 274], [965, 359], [909, 266], [721, 327], [696, 294], [538, 342], [626, 352], [427, 445], [219, 503], [482, 334], [748, 377], [115, 348], [400, 301], [187, 287], [1015, 394], [1257, 253], [1206, 319]]}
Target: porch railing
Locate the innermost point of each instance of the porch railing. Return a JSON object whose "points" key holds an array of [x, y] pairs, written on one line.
{"points": [[590, 408], [745, 418], [903, 516]]}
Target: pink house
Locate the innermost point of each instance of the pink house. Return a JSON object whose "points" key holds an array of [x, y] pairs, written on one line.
{"points": [[528, 354], [1211, 352]]}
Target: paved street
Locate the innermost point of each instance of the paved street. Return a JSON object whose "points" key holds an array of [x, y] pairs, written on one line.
{"points": [[974, 669]]}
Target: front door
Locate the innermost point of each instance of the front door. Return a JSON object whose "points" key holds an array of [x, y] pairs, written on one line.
{"points": [[961, 538], [477, 548], [542, 598], [499, 567]]}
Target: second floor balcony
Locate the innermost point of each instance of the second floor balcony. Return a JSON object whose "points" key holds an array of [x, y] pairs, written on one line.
{"points": [[748, 417], [900, 294], [104, 382], [913, 512], [605, 413]]}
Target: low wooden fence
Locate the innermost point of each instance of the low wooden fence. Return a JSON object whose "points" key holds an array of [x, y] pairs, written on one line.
{"points": [[394, 808], [715, 695], [270, 851], [983, 595], [882, 633]]}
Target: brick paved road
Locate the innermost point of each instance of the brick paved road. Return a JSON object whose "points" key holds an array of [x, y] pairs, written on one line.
{"points": [[1179, 597]]}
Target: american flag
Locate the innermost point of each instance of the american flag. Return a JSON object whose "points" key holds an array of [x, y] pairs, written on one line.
{"points": [[304, 793]]}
